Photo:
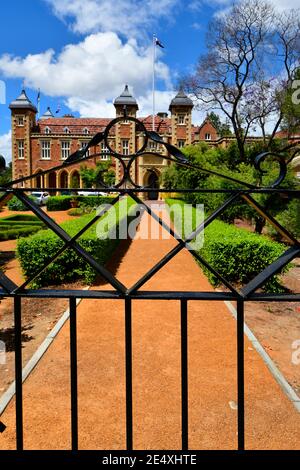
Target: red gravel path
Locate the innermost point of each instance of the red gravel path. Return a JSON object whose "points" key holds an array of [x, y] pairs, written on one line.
{"points": [[271, 420]]}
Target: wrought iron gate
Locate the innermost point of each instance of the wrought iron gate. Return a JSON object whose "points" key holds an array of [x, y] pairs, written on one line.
{"points": [[127, 186]]}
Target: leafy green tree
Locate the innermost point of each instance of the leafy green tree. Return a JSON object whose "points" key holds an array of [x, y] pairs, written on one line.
{"points": [[223, 129], [216, 160], [99, 176]]}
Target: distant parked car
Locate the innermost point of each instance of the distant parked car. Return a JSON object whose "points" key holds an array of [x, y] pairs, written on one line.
{"points": [[91, 193], [40, 197]]}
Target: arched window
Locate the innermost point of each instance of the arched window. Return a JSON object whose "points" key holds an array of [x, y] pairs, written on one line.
{"points": [[86, 131], [67, 130], [47, 130]]}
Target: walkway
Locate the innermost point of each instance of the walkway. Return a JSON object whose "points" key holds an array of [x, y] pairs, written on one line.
{"points": [[271, 420]]}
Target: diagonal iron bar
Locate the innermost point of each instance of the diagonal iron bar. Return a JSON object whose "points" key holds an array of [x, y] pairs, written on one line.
{"points": [[67, 239], [66, 246], [181, 244], [285, 233], [270, 270]]}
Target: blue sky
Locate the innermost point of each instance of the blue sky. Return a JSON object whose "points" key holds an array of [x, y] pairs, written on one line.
{"points": [[80, 53]]}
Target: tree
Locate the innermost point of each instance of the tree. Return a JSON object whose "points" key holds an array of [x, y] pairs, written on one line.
{"points": [[253, 53], [222, 128], [291, 107], [6, 174], [101, 175]]}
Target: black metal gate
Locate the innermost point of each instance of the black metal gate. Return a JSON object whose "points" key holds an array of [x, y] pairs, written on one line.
{"points": [[127, 186]]}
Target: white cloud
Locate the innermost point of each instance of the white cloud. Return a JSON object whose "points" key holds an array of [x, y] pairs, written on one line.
{"points": [[128, 18], [91, 71], [5, 146]]}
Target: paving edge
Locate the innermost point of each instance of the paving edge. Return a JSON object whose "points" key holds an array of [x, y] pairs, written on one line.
{"points": [[35, 359], [278, 376]]}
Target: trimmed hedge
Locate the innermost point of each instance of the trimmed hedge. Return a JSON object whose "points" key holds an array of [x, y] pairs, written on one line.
{"points": [[237, 254], [22, 217], [17, 232], [14, 204], [20, 225], [36, 250], [62, 203]]}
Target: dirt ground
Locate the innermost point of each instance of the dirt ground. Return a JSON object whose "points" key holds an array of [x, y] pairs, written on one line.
{"points": [[271, 420], [276, 326], [38, 315]]}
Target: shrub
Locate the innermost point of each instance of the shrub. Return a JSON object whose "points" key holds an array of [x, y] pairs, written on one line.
{"points": [[238, 255], [16, 205], [14, 226], [22, 217], [59, 203], [76, 211], [62, 203], [17, 232], [36, 250], [289, 219]]}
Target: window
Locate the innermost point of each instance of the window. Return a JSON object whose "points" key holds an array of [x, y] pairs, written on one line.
{"points": [[180, 143], [125, 147], [86, 131], [45, 150], [152, 146], [67, 130], [47, 130], [104, 149], [65, 149], [207, 136], [83, 145], [20, 121], [181, 119], [21, 149]]}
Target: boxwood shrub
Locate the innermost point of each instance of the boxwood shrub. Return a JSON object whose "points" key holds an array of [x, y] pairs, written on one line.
{"points": [[36, 250], [14, 204], [237, 254], [62, 203], [20, 225], [11, 233]]}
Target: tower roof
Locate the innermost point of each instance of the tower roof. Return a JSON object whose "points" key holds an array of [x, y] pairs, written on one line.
{"points": [[126, 98], [181, 99], [48, 114], [22, 102]]}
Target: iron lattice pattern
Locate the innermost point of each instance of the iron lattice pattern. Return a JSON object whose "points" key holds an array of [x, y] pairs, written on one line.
{"points": [[127, 186]]}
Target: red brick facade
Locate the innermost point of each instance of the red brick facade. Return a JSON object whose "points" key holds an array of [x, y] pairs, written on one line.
{"points": [[45, 143]]}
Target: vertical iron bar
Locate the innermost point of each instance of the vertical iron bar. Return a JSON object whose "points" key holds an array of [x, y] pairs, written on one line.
{"points": [[128, 359], [73, 362], [240, 374], [18, 372], [184, 375]]}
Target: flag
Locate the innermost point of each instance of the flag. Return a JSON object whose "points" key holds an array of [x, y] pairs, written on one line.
{"points": [[38, 96], [158, 43], [58, 109]]}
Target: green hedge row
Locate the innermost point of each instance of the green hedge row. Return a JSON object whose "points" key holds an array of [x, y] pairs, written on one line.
{"points": [[20, 225], [36, 250], [237, 254], [22, 217], [62, 203], [14, 204], [17, 231]]}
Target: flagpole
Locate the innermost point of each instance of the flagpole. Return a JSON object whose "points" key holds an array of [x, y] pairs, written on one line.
{"points": [[38, 102], [153, 81]]}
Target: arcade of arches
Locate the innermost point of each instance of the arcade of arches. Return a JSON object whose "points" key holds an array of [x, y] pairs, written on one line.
{"points": [[60, 179]]}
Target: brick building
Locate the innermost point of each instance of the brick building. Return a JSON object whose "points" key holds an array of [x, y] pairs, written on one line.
{"points": [[44, 143]]}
